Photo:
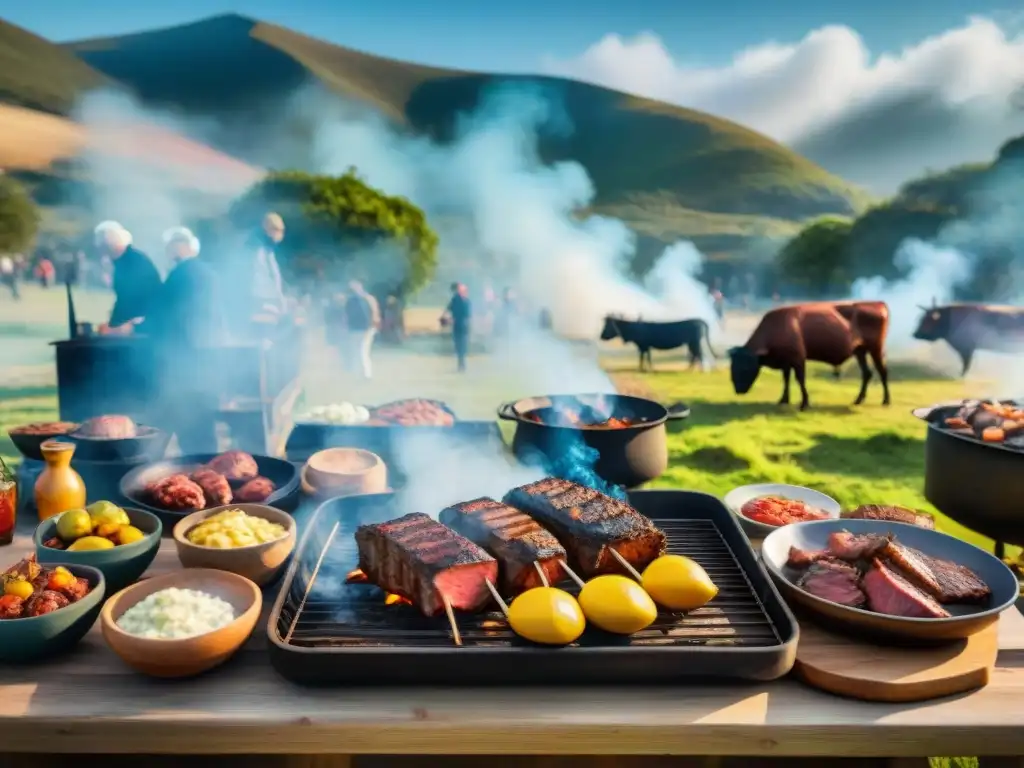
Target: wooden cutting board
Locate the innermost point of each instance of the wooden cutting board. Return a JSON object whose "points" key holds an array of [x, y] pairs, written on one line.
{"points": [[860, 670]]}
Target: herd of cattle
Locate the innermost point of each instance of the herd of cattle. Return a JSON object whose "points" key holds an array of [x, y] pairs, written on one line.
{"points": [[829, 332]]}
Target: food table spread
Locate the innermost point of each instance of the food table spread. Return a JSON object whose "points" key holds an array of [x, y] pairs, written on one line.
{"points": [[89, 702]]}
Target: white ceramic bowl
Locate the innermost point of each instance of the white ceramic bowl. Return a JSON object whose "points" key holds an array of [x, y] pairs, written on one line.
{"points": [[737, 497]]}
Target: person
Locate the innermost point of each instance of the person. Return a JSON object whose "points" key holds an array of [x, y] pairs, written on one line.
{"points": [[136, 281], [458, 314], [9, 275], [45, 272], [264, 274], [362, 319], [392, 327], [508, 315], [186, 320]]}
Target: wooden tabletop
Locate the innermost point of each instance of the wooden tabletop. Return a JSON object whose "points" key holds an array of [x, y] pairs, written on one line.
{"points": [[89, 701]]}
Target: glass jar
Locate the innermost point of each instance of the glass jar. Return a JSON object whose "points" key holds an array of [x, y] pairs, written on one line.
{"points": [[8, 505]]}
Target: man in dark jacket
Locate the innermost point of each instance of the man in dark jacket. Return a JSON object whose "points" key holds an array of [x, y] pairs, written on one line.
{"points": [[362, 319], [136, 280], [458, 314]]}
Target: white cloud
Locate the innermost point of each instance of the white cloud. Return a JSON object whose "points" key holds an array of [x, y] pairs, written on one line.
{"points": [[945, 100]]}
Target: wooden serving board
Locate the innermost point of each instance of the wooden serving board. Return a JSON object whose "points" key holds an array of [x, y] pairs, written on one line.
{"points": [[861, 670]]}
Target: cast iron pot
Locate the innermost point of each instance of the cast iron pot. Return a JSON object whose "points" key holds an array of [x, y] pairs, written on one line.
{"points": [[627, 456], [975, 483]]}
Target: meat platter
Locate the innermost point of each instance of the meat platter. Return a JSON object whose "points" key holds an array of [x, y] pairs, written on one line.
{"points": [[888, 580], [327, 629]]}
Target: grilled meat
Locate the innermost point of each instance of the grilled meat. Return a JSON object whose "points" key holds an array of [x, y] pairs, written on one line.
{"points": [[852, 547], [587, 522], [216, 488], [176, 493], [46, 601], [424, 561], [513, 538], [109, 427], [256, 491], [888, 592], [945, 581], [236, 466], [804, 558], [892, 514], [834, 581], [45, 428]]}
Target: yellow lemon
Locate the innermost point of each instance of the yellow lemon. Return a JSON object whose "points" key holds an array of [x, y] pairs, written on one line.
{"points": [[617, 604], [19, 588], [107, 512], [74, 524], [129, 534], [546, 615], [90, 543], [678, 583]]}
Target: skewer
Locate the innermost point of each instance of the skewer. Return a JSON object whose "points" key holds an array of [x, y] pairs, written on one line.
{"points": [[626, 564], [540, 572], [572, 574], [497, 597], [451, 620], [309, 585]]}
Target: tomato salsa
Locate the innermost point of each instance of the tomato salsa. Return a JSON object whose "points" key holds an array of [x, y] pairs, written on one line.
{"points": [[775, 510]]}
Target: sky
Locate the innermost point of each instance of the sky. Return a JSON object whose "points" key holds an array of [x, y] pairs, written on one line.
{"points": [[875, 90]]}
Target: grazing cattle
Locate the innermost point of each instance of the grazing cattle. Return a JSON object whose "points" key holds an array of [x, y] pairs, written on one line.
{"points": [[970, 327], [647, 336], [826, 332]]}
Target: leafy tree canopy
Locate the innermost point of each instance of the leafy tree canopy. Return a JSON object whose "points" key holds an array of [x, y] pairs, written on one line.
{"points": [[339, 226], [817, 258], [19, 217]]}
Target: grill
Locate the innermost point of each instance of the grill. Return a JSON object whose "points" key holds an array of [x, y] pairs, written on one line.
{"points": [[324, 630]]}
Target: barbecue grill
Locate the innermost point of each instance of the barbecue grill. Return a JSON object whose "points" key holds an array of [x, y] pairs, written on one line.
{"points": [[325, 631]]}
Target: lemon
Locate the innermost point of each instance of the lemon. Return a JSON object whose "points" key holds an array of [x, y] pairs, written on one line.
{"points": [[74, 524], [617, 604], [107, 512], [678, 583], [129, 534], [546, 615], [90, 543], [19, 588]]}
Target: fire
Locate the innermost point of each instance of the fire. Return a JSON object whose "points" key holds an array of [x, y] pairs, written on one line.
{"points": [[393, 599], [356, 577]]}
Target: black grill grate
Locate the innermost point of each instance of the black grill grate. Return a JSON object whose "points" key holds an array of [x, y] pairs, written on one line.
{"points": [[322, 611]]}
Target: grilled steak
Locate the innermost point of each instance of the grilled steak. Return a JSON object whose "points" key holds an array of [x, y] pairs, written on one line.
{"points": [[834, 581], [945, 581], [892, 514], [888, 592], [515, 539], [852, 547], [587, 523], [423, 561], [804, 558]]}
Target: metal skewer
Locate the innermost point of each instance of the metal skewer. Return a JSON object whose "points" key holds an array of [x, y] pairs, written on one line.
{"points": [[540, 572], [312, 579]]}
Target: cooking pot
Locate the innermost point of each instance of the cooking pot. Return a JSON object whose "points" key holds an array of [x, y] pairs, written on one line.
{"points": [[975, 483], [627, 456]]}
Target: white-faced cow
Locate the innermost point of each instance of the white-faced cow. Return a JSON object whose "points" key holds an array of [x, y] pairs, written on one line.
{"points": [[826, 332], [648, 335], [970, 327]]}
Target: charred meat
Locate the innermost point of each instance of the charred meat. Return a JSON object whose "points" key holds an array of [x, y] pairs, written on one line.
{"points": [[888, 592], [176, 493], [236, 466], [805, 558], [516, 540], [945, 581], [587, 523], [834, 581], [256, 491], [852, 547], [990, 421], [216, 488], [426, 562], [891, 513]]}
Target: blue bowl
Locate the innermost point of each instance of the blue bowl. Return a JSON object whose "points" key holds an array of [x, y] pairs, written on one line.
{"points": [[121, 565], [40, 637]]}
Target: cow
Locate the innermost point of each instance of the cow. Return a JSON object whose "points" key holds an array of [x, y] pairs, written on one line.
{"points": [[970, 327], [827, 332], [648, 335]]}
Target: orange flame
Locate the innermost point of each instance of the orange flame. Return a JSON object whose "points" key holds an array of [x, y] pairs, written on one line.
{"points": [[356, 577], [393, 599]]}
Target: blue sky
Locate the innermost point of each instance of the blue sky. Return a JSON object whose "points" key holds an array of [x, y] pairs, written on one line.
{"points": [[478, 34]]}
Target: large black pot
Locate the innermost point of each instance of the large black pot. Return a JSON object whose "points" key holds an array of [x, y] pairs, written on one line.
{"points": [[977, 484], [627, 456]]}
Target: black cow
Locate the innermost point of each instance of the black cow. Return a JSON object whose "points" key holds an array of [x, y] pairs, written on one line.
{"points": [[647, 336], [970, 327]]}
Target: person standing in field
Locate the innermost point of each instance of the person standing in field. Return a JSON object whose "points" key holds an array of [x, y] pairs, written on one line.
{"points": [[9, 275], [362, 319], [458, 314]]}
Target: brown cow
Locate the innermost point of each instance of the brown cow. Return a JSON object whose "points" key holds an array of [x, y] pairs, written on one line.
{"points": [[828, 332], [970, 327]]}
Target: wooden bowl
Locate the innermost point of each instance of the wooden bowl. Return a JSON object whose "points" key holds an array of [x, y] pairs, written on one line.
{"points": [[192, 655], [346, 471], [260, 563]]}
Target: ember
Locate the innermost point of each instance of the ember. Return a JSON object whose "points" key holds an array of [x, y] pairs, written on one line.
{"points": [[356, 576]]}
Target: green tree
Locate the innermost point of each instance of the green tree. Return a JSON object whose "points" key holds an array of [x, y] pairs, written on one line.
{"points": [[817, 258], [19, 217], [340, 226]]}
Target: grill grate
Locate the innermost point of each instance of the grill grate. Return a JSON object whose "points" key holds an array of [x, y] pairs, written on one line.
{"points": [[322, 611]]}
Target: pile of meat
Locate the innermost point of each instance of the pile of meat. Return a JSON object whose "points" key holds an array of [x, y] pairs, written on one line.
{"points": [[45, 428], [426, 561], [990, 421], [880, 574], [891, 514], [108, 428], [46, 589], [230, 477], [411, 413]]}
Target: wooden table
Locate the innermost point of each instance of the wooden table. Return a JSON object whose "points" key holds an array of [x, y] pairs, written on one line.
{"points": [[88, 702]]}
